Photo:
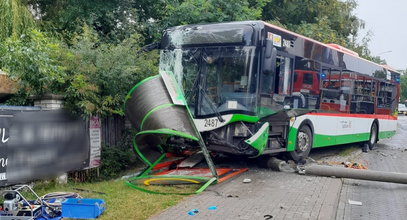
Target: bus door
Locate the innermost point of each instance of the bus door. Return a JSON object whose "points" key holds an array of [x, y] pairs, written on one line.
{"points": [[284, 80]]}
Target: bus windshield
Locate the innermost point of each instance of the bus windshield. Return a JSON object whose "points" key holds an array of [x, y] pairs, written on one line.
{"points": [[215, 80]]}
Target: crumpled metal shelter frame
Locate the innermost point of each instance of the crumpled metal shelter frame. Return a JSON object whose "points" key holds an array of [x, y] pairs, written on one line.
{"points": [[149, 106]]}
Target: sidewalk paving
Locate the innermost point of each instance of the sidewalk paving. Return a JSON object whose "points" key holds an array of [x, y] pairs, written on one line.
{"points": [[277, 194]]}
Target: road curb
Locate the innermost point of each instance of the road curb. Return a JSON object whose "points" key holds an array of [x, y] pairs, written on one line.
{"points": [[331, 200]]}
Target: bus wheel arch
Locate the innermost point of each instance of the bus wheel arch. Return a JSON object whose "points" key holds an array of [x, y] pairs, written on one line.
{"points": [[304, 141]]}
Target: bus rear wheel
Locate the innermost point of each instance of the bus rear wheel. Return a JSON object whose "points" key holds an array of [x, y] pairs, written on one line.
{"points": [[303, 144], [373, 136]]}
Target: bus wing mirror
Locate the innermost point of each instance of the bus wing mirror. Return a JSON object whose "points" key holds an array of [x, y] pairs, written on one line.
{"points": [[150, 47], [270, 56]]}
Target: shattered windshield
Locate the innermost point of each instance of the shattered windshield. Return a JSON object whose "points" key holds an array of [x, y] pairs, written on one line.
{"points": [[214, 79]]}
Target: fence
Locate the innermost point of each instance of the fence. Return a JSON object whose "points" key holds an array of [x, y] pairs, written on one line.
{"points": [[112, 130]]}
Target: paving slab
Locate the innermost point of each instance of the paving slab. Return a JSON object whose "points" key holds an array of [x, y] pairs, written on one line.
{"points": [[270, 195], [380, 200]]}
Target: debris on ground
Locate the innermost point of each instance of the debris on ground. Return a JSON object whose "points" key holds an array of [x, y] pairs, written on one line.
{"points": [[280, 165], [266, 217], [247, 181], [191, 161], [352, 202], [347, 164], [214, 207], [232, 196], [354, 165], [193, 212]]}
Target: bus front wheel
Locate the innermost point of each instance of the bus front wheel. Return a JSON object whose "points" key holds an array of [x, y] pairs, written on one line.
{"points": [[303, 144]]}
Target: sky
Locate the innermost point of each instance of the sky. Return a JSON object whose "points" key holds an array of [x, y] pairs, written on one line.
{"points": [[387, 20]]}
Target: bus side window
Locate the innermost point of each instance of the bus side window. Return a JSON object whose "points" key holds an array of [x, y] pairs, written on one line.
{"points": [[306, 85], [332, 97], [283, 80], [362, 101], [284, 86]]}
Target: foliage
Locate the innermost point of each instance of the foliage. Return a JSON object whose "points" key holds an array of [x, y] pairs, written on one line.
{"points": [[113, 20], [34, 60], [102, 73], [15, 19], [321, 31], [115, 160], [198, 11], [94, 77], [295, 13]]}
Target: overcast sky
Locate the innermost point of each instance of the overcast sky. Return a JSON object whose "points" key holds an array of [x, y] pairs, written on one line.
{"points": [[387, 19]]}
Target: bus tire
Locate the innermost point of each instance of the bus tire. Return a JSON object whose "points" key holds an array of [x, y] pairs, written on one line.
{"points": [[303, 144], [374, 131]]}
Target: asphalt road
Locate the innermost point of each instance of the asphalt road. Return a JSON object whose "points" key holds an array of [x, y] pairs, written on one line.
{"points": [[379, 200]]}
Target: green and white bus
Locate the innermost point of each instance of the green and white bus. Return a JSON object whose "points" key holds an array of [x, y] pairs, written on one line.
{"points": [[254, 88]]}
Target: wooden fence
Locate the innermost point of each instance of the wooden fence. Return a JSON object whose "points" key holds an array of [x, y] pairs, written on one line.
{"points": [[112, 130]]}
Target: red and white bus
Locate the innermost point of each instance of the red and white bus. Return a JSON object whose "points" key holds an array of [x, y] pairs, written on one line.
{"points": [[254, 88]]}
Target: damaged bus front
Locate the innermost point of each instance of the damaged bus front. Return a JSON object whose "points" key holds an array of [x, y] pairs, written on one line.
{"points": [[225, 73]]}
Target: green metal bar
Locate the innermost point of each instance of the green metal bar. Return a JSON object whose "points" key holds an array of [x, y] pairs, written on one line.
{"points": [[201, 143], [135, 87], [202, 188], [152, 165], [139, 153]]}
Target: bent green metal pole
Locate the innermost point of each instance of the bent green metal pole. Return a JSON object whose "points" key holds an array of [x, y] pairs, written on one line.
{"points": [[178, 98]]}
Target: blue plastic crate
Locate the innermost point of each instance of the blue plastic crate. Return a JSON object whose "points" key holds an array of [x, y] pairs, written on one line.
{"points": [[82, 208]]}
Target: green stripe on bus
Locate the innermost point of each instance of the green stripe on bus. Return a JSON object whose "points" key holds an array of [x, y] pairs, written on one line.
{"points": [[330, 140], [245, 118]]}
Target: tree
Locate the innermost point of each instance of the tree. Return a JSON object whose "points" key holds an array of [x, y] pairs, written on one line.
{"points": [[33, 60], [15, 19], [113, 20], [101, 74], [295, 13]]}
